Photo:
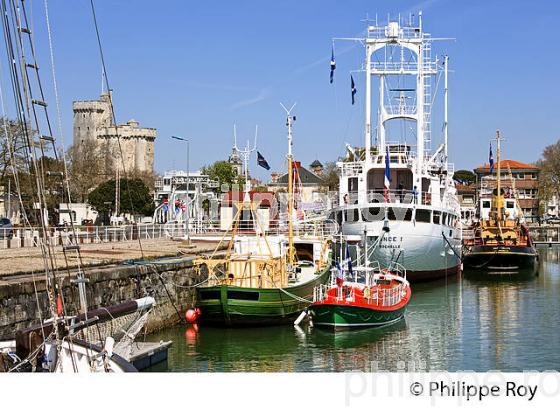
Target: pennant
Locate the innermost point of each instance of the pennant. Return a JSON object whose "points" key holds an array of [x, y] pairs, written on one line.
{"points": [[491, 159], [261, 161], [333, 64], [353, 88], [387, 175]]}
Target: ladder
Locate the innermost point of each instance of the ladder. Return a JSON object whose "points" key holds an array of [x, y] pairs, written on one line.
{"points": [[33, 117]]}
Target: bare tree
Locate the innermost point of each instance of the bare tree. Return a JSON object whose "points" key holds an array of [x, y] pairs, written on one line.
{"points": [[86, 168], [549, 180], [12, 148]]}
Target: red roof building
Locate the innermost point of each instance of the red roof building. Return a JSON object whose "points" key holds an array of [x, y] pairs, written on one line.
{"points": [[523, 177]]}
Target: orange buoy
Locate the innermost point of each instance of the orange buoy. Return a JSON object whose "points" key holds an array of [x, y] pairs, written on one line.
{"points": [[192, 315]]}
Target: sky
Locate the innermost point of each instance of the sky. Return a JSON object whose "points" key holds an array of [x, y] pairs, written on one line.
{"points": [[195, 68]]}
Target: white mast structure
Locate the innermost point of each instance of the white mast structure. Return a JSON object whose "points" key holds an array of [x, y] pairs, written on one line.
{"points": [[245, 155], [417, 201], [401, 37]]}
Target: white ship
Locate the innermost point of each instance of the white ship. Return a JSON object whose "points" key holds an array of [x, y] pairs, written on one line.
{"points": [[418, 202]]}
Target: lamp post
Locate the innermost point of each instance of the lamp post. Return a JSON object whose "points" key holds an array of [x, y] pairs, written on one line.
{"points": [[188, 236]]}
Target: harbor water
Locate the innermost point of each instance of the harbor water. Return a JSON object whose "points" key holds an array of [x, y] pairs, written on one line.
{"points": [[470, 323]]}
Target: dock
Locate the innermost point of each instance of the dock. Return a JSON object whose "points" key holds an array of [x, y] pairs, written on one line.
{"points": [[545, 234], [148, 354]]}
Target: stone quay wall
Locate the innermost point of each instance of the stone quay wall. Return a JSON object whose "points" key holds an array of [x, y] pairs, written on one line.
{"points": [[23, 302]]}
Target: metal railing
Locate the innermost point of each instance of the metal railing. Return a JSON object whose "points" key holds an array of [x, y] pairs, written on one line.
{"points": [[32, 237]]}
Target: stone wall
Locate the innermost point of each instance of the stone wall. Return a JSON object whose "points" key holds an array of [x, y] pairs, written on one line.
{"points": [[107, 286]]}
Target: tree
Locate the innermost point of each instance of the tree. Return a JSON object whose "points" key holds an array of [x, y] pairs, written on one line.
{"points": [[221, 171], [330, 175], [86, 168], [135, 197], [464, 176], [549, 178], [12, 148]]}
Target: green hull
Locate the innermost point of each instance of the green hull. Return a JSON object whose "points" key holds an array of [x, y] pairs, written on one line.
{"points": [[226, 305], [340, 317]]}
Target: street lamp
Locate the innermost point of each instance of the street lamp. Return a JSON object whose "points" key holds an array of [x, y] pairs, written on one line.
{"points": [[188, 237]]}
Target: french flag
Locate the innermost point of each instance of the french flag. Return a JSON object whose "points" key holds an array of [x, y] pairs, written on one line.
{"points": [[339, 275], [387, 176]]}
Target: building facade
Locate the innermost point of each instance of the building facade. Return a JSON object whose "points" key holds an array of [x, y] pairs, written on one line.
{"points": [[93, 121], [517, 179]]}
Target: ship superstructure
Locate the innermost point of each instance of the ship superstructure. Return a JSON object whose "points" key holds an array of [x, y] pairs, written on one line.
{"points": [[398, 186]]}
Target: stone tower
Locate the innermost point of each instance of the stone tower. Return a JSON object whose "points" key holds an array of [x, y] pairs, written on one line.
{"points": [[93, 121]]}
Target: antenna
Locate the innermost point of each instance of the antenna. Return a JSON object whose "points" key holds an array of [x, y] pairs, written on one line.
{"points": [[235, 137], [289, 123]]}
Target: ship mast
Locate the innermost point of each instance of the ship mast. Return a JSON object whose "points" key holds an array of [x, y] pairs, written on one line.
{"points": [[289, 123], [408, 53], [498, 181]]}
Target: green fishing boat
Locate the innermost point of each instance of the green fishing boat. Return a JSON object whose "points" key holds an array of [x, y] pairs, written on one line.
{"points": [[267, 276], [231, 305]]}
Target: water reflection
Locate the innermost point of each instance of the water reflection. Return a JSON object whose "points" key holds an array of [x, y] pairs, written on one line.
{"points": [[470, 323]]}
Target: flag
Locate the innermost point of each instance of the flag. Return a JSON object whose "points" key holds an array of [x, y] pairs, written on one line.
{"points": [[339, 275], [262, 162], [333, 64], [491, 159], [387, 176], [348, 259], [353, 87]]}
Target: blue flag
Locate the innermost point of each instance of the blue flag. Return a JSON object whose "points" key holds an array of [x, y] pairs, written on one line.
{"points": [[491, 159], [333, 64], [348, 259], [353, 87], [262, 162]]}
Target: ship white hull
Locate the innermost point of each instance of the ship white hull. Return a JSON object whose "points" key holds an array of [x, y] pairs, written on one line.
{"points": [[420, 247]]}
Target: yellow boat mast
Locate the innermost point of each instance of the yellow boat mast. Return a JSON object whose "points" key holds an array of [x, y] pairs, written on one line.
{"points": [[499, 182], [291, 250]]}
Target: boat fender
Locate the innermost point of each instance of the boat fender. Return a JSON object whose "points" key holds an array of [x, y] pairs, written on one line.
{"points": [[192, 315], [300, 318]]}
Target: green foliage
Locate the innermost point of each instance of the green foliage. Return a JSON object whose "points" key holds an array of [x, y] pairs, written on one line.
{"points": [[138, 202], [464, 176], [221, 171]]}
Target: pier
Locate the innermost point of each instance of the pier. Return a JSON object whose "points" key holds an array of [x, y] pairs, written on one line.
{"points": [[545, 234], [170, 281]]}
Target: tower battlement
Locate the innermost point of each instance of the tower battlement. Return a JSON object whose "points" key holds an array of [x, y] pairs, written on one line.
{"points": [[93, 121]]}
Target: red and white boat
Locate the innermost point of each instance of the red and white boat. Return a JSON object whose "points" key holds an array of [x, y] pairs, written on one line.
{"points": [[372, 297]]}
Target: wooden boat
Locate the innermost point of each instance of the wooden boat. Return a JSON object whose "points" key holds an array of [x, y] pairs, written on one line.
{"points": [[499, 241], [372, 297], [268, 277]]}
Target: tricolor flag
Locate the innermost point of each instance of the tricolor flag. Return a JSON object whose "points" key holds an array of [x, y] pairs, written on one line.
{"points": [[491, 159], [262, 162], [353, 87], [339, 275], [333, 64], [387, 176]]}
